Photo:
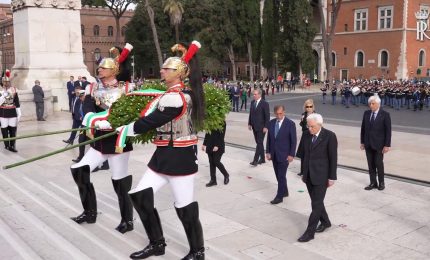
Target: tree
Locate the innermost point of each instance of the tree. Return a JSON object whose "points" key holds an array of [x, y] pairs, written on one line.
{"points": [[175, 10], [249, 28], [154, 32], [327, 37], [297, 36], [267, 32], [118, 8]]}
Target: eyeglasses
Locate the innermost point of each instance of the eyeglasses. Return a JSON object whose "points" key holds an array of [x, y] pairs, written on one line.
{"points": [[309, 106]]}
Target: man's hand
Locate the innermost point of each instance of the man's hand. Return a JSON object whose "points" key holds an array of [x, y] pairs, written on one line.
{"points": [[203, 148], [268, 157], [264, 130], [249, 127], [103, 124], [215, 149], [330, 183], [362, 146], [385, 149], [290, 158]]}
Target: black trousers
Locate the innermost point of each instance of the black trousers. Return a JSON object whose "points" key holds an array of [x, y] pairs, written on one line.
{"points": [[215, 162], [281, 176], [375, 162], [75, 124], [317, 194], [259, 150], [40, 107]]}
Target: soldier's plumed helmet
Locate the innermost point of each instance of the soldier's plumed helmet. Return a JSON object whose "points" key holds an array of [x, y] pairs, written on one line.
{"points": [[109, 63]]}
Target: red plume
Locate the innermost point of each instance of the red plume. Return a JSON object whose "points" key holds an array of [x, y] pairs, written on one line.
{"points": [[7, 73], [124, 53], [192, 50]]}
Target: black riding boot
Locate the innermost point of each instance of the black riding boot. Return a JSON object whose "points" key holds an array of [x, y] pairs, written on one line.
{"points": [[5, 134], [143, 202], [189, 216], [12, 133], [87, 193], [122, 187]]}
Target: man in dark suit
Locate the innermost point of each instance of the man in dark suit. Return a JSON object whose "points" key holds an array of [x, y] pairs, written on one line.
{"points": [[281, 149], [235, 91], [39, 96], [214, 146], [71, 91], [257, 122], [77, 113], [318, 153], [375, 138]]}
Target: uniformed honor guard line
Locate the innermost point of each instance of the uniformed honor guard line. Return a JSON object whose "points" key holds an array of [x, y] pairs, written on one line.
{"points": [[57, 151], [46, 133]]}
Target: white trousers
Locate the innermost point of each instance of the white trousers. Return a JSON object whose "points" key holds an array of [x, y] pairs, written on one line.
{"points": [[118, 163], [182, 186], [5, 122]]}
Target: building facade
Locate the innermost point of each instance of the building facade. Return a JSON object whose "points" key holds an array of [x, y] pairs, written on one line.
{"points": [[97, 28], [381, 39]]}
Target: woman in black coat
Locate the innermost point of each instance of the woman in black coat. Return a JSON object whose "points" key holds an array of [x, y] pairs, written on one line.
{"points": [[214, 146]]}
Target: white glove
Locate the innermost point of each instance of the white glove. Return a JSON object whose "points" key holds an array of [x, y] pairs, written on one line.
{"points": [[103, 124], [5, 94], [84, 121], [128, 46], [18, 113], [130, 131]]}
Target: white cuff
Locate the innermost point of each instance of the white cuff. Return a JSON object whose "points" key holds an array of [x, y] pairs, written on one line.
{"points": [[128, 46], [130, 129]]}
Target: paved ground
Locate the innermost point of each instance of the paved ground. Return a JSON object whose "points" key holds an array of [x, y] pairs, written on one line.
{"points": [[36, 201]]}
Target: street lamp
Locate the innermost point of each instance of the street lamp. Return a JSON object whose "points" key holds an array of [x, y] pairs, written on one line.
{"points": [[3, 37]]}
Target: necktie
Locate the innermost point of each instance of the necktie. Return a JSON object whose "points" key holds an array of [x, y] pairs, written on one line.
{"points": [[372, 119], [277, 126], [256, 104], [314, 138]]}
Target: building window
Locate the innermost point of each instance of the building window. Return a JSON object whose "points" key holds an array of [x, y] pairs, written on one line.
{"points": [[97, 54], [385, 17], [345, 51], [383, 58], [359, 59], [82, 29], [238, 70], [123, 31], [96, 30], [360, 20], [333, 59], [228, 70], [346, 27], [83, 54], [110, 30], [421, 58]]}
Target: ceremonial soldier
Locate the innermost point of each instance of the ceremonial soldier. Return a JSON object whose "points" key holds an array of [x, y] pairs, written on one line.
{"points": [[176, 115], [333, 94], [324, 90], [10, 112], [105, 93]]}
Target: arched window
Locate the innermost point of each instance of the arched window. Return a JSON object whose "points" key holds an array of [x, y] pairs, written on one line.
{"points": [[110, 30], [359, 59], [82, 29], [333, 59], [96, 30], [83, 53], [421, 59], [123, 31], [97, 54], [383, 58]]}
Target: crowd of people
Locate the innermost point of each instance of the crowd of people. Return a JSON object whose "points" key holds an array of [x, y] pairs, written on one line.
{"points": [[407, 94]]}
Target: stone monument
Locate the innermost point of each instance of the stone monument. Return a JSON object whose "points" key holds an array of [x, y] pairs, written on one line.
{"points": [[48, 47]]}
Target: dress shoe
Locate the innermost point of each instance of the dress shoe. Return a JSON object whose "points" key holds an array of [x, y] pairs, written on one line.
{"points": [[226, 180], [261, 161], [371, 186], [68, 141], [125, 226], [276, 200], [12, 149], [305, 238], [211, 183], [321, 227], [41, 119], [300, 174], [76, 160], [253, 163], [154, 248], [286, 194], [89, 217], [381, 186]]}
